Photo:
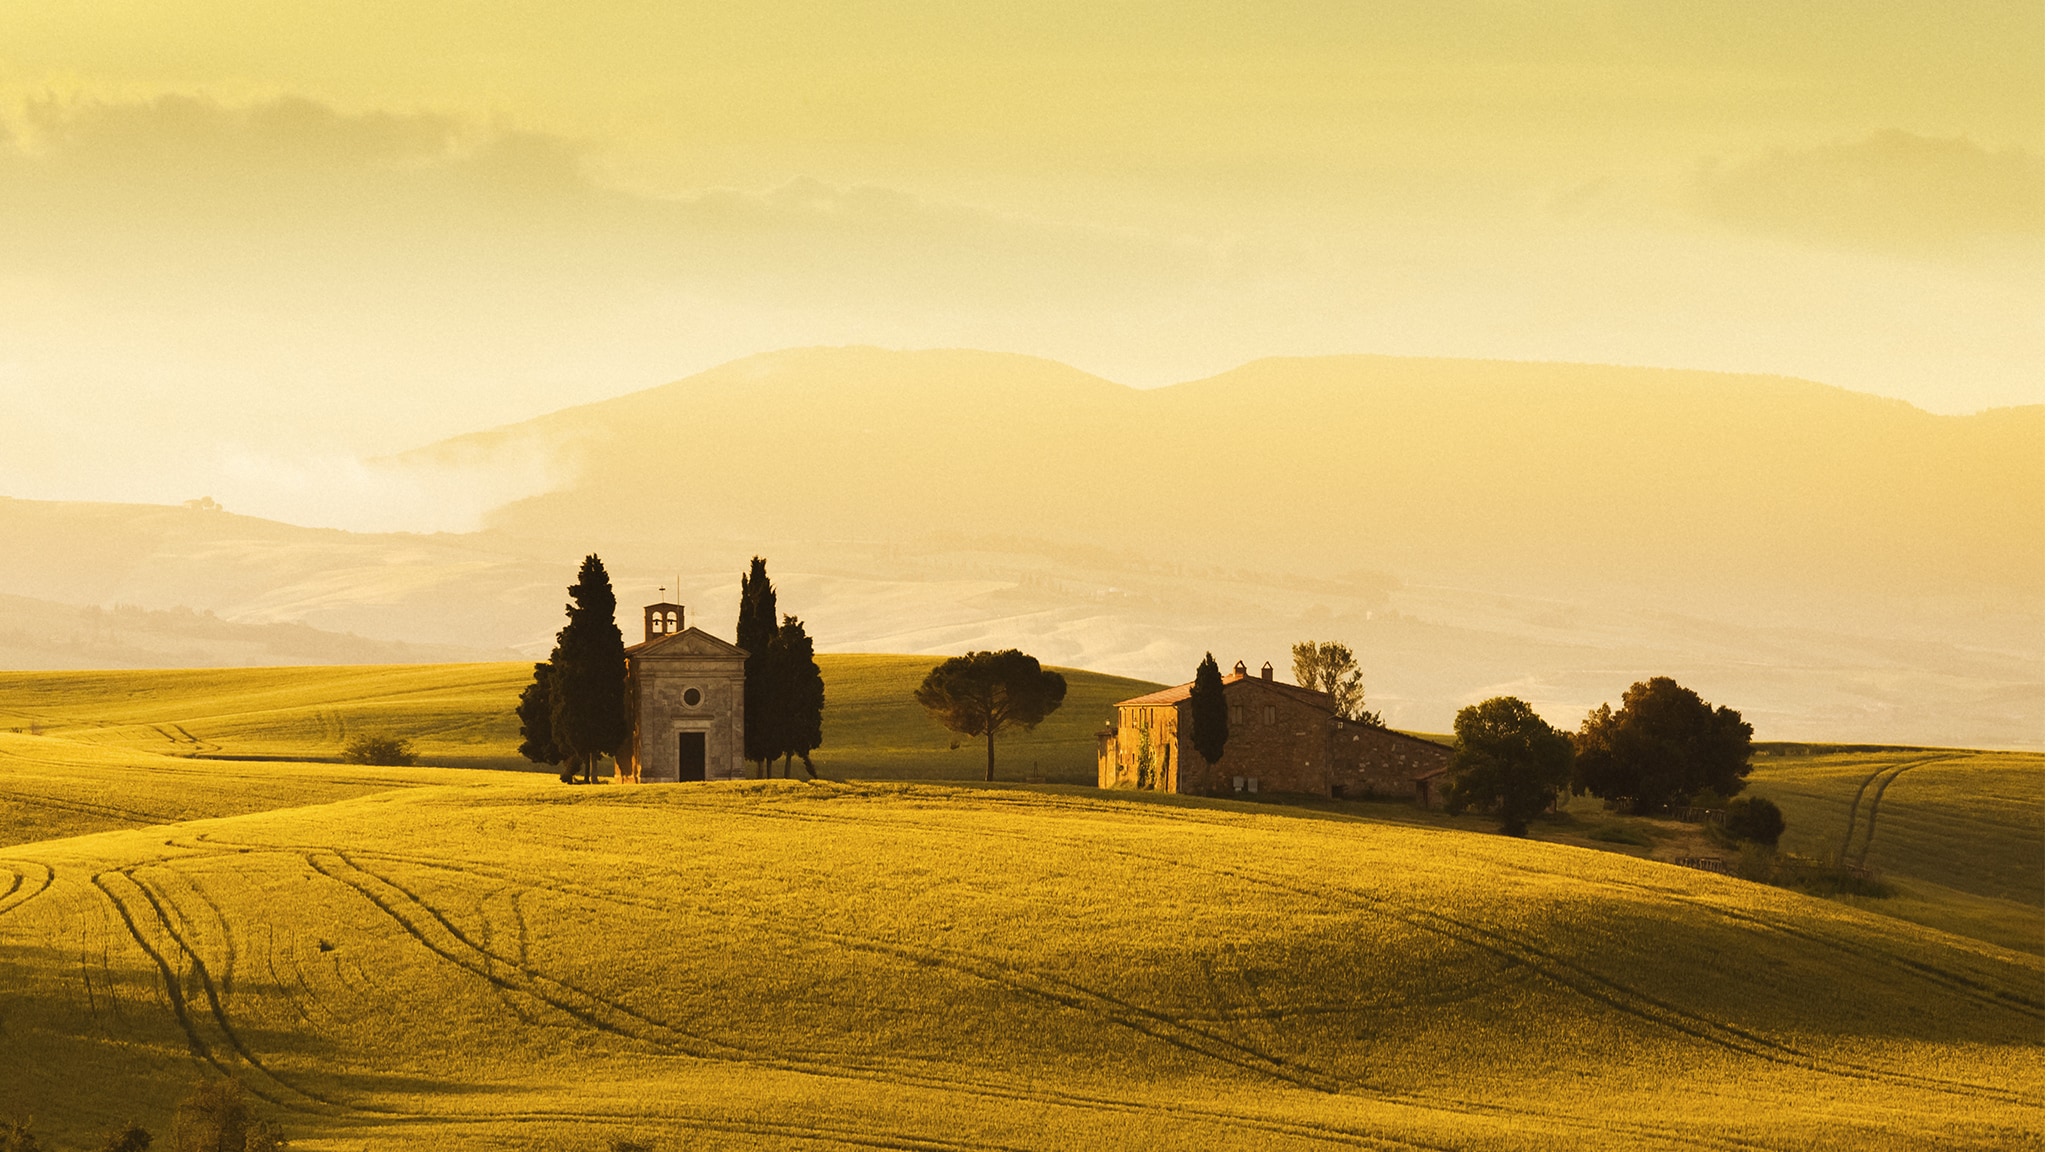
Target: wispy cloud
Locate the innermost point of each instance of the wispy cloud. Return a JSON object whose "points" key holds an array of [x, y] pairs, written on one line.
{"points": [[1892, 190]]}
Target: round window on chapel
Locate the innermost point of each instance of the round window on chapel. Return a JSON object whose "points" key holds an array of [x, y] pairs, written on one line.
{"points": [[692, 697]]}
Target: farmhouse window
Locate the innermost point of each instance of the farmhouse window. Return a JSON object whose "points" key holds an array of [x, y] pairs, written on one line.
{"points": [[1272, 716]]}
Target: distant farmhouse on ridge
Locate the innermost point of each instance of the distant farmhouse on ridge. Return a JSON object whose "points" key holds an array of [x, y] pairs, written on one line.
{"points": [[1283, 738]]}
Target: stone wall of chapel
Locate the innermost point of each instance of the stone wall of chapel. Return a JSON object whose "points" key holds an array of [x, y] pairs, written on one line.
{"points": [[657, 692]]}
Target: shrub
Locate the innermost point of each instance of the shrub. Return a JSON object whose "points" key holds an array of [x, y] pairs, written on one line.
{"points": [[1707, 798], [1755, 819], [132, 1138], [376, 748], [15, 1136], [216, 1117]]}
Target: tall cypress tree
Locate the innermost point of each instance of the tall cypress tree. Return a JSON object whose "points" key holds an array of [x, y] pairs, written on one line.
{"points": [[588, 695], [1210, 723], [756, 633], [799, 694]]}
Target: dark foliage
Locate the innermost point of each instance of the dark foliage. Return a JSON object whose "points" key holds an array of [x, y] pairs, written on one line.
{"points": [[376, 748], [1755, 818], [18, 1136], [1209, 722], [536, 717], [983, 693], [797, 695], [1664, 744], [216, 1117], [588, 692], [756, 633], [1508, 761], [130, 1138]]}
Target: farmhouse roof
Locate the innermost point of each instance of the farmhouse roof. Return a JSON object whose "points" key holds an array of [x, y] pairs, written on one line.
{"points": [[691, 641], [1177, 694], [1403, 735]]}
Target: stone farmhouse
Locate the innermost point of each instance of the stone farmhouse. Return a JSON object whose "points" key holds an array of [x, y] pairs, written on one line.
{"points": [[686, 692], [1283, 738]]}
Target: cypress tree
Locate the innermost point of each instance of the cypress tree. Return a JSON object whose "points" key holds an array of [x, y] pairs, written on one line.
{"points": [[799, 695], [587, 697], [756, 633], [1210, 722], [537, 719]]}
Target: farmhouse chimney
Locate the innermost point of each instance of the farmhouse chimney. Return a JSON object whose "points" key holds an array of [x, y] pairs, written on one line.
{"points": [[1266, 673], [1239, 669], [663, 620]]}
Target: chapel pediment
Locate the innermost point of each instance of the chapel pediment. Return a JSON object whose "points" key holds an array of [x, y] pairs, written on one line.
{"points": [[689, 642]]}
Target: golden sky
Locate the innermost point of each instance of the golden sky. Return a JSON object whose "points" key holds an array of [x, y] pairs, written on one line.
{"points": [[243, 244]]}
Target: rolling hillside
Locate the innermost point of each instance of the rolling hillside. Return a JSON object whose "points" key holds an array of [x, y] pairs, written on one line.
{"points": [[461, 715], [1956, 834], [510, 964]]}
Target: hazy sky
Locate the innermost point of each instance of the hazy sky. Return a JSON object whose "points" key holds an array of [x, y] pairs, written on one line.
{"points": [[243, 245]]}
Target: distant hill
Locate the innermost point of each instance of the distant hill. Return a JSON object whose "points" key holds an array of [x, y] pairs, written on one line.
{"points": [[1837, 566], [1677, 484], [44, 634]]}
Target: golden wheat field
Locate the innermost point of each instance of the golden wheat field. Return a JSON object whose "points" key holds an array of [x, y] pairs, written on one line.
{"points": [[434, 957]]}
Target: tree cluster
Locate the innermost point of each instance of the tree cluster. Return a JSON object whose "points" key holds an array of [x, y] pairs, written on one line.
{"points": [[1663, 744], [574, 710], [785, 691], [984, 693]]}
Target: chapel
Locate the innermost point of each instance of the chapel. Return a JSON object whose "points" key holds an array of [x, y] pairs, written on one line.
{"points": [[686, 693]]}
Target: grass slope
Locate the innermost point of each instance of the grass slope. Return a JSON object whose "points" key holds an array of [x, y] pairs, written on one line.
{"points": [[461, 714], [513, 964], [1957, 833]]}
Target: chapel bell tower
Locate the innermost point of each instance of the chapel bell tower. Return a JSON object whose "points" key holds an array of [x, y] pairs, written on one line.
{"points": [[663, 620]]}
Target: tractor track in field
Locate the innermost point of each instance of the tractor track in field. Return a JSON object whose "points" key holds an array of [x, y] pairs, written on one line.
{"points": [[1953, 982], [20, 889], [269, 1085], [85, 807], [1883, 778], [1568, 974], [1263, 1064], [433, 931], [480, 964]]}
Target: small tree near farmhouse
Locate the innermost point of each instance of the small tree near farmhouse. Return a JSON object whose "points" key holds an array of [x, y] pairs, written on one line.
{"points": [[1509, 761], [1330, 667], [587, 698], [1209, 722], [984, 693]]}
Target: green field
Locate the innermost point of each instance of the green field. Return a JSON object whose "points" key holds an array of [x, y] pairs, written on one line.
{"points": [[461, 715], [458, 958]]}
